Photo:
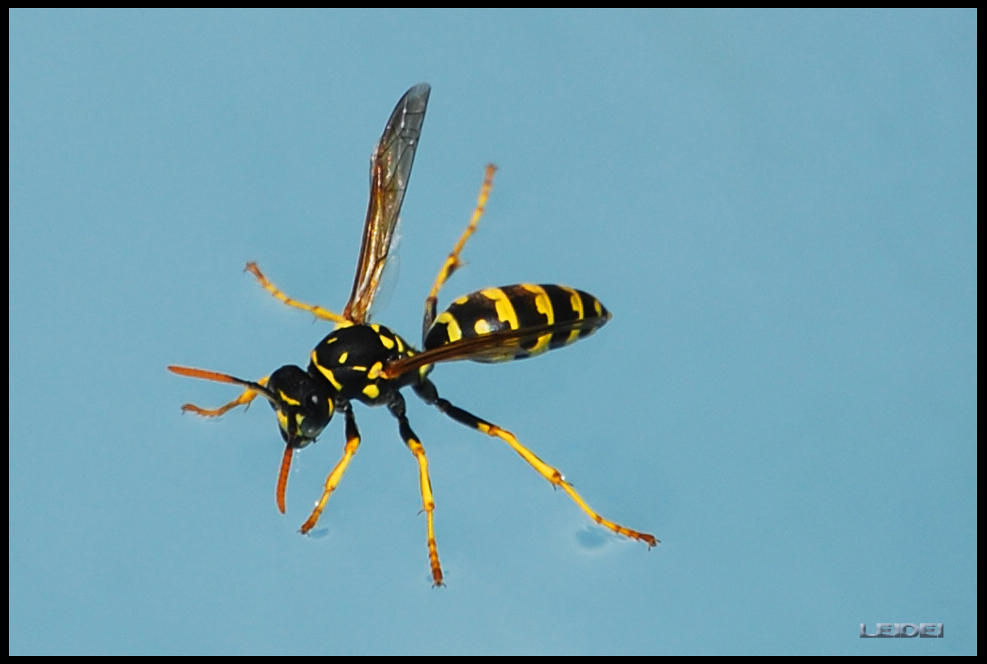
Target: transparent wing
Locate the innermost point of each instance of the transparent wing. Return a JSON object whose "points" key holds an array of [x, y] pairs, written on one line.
{"points": [[495, 345], [390, 168]]}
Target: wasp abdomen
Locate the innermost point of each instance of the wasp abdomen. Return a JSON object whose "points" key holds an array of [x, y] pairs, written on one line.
{"points": [[519, 307]]}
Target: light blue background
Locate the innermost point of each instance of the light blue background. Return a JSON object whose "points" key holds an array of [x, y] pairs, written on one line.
{"points": [[779, 208]]}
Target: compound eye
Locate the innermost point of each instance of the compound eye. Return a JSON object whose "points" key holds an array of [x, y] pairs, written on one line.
{"points": [[317, 409]]}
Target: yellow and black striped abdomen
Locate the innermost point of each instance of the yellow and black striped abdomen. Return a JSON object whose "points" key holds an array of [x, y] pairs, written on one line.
{"points": [[521, 308]]}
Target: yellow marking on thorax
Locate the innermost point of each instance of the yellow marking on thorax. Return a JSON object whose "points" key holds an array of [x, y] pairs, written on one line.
{"points": [[375, 371], [372, 391], [343, 356], [481, 327], [387, 342], [327, 373]]}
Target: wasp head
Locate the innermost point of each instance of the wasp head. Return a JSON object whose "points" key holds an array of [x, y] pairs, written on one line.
{"points": [[303, 404]]}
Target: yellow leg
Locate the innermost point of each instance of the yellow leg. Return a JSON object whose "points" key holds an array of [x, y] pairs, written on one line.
{"points": [[428, 505], [426, 391], [555, 477], [352, 442], [397, 408], [315, 310], [452, 262]]}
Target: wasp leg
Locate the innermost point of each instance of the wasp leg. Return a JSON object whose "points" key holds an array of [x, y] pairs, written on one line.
{"points": [[426, 390], [313, 309], [397, 408], [352, 442], [452, 262], [243, 400]]}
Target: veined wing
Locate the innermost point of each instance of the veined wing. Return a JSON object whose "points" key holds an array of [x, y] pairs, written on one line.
{"points": [[390, 168], [499, 346]]}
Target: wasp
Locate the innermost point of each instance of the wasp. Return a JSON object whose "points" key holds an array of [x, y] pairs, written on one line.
{"points": [[366, 362]]}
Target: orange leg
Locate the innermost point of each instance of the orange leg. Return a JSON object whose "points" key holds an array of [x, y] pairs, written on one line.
{"points": [[244, 399]]}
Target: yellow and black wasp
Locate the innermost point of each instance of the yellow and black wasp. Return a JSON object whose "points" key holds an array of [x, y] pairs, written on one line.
{"points": [[367, 362]]}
